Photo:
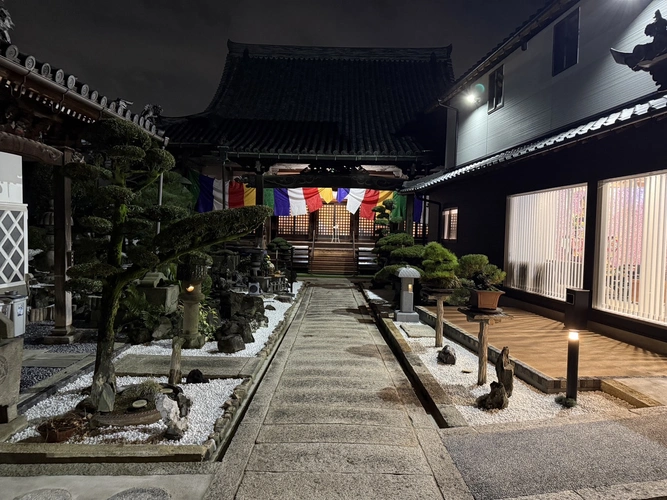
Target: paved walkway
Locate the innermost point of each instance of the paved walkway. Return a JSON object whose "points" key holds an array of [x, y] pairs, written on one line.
{"points": [[335, 417]]}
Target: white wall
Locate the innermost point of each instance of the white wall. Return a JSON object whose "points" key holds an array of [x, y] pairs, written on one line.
{"points": [[536, 103], [11, 178]]}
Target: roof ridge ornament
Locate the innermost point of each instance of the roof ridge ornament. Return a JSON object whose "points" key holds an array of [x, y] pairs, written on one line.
{"points": [[652, 56], [6, 23]]}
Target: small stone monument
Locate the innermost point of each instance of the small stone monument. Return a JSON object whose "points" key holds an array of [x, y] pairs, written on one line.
{"points": [[406, 312], [447, 356], [11, 357], [157, 293]]}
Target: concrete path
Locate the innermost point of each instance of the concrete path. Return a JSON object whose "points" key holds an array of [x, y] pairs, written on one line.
{"points": [[335, 417]]}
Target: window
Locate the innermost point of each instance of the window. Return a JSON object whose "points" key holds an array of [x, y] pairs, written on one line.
{"points": [[450, 218], [496, 84], [289, 226], [566, 43], [631, 274], [545, 241]]}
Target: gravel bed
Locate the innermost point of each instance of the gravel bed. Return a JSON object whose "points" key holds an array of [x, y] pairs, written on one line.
{"points": [[207, 401], [526, 404], [163, 347], [30, 375], [35, 332]]}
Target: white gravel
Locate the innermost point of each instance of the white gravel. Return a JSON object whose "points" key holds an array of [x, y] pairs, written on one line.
{"points": [[210, 349], [207, 401], [526, 404]]}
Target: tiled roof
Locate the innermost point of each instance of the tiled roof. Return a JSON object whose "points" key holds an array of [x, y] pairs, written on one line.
{"points": [[627, 116], [63, 91], [291, 101]]}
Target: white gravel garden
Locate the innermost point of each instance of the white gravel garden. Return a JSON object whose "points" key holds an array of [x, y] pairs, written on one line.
{"points": [[208, 399], [526, 404]]}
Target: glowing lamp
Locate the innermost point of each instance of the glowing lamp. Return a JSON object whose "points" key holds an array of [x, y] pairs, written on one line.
{"points": [[190, 289], [573, 335]]}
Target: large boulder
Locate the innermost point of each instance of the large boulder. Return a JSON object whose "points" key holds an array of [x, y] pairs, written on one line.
{"points": [[495, 400], [239, 326], [234, 305], [505, 371], [230, 344]]}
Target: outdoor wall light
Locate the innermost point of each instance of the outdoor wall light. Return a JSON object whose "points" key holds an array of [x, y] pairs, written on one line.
{"points": [[572, 365], [472, 98]]}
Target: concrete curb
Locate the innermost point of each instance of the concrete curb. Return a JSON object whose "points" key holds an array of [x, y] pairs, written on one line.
{"points": [[210, 450], [436, 400]]}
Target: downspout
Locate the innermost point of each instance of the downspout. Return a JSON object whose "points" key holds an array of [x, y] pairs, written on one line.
{"points": [[449, 163]]}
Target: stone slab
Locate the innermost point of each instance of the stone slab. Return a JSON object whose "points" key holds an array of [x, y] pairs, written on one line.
{"points": [[654, 387], [337, 433], [212, 367], [418, 330], [54, 362], [314, 382], [11, 428], [86, 488], [344, 458], [387, 397], [315, 414], [10, 376], [331, 486]]}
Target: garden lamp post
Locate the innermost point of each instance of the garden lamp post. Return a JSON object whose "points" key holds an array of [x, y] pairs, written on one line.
{"points": [[572, 365]]}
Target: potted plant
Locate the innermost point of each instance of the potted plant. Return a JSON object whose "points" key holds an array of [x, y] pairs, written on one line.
{"points": [[479, 277]]}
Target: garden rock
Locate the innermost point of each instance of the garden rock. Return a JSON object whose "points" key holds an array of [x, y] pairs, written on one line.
{"points": [[495, 400], [171, 415], [447, 356], [230, 344], [139, 335], [269, 307], [238, 326], [196, 377], [286, 299], [505, 371], [142, 494], [46, 494], [239, 305], [184, 404], [163, 330]]}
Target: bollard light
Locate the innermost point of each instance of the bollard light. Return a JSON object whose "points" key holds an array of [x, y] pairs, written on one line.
{"points": [[572, 364]]}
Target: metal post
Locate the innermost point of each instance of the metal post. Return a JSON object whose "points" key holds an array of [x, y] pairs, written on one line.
{"points": [[572, 365], [159, 197]]}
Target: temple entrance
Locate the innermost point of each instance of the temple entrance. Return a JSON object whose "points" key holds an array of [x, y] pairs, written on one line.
{"points": [[334, 224]]}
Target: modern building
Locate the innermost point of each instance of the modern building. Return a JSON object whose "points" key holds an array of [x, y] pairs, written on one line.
{"points": [[559, 172]]}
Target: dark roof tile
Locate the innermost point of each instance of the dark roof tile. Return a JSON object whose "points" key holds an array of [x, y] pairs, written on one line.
{"points": [[319, 100]]}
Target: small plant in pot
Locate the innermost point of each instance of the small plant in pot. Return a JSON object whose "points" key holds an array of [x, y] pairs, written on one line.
{"points": [[479, 277]]}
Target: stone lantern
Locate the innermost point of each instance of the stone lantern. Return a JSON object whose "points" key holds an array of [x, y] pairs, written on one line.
{"points": [[406, 313], [191, 276]]}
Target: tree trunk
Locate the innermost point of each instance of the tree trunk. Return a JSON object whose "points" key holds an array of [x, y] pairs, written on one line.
{"points": [[103, 390]]}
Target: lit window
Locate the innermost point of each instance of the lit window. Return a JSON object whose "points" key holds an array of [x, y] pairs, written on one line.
{"points": [[566, 43], [450, 218], [496, 84]]}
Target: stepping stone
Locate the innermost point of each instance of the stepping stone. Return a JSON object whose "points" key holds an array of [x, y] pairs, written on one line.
{"points": [[142, 494], [418, 330]]}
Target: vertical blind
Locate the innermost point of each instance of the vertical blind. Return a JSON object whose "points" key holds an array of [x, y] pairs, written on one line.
{"points": [[632, 264], [545, 241]]}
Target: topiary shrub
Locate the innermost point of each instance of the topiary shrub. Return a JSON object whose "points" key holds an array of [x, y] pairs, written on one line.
{"points": [[439, 264]]}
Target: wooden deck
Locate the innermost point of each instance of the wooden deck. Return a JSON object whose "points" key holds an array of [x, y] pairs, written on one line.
{"points": [[542, 343]]}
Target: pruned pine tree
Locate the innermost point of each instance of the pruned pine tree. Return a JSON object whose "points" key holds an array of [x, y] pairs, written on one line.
{"points": [[123, 161]]}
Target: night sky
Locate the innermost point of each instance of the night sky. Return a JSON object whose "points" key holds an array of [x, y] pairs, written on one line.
{"points": [[172, 52]]}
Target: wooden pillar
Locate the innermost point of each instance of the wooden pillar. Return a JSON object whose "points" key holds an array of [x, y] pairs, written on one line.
{"points": [[409, 213], [483, 351], [259, 200], [63, 333], [439, 319]]}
